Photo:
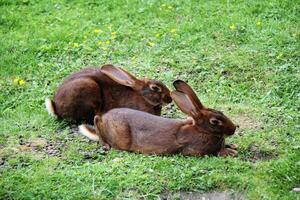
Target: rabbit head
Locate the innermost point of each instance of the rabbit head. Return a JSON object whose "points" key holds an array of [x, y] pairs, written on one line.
{"points": [[209, 120], [153, 91]]}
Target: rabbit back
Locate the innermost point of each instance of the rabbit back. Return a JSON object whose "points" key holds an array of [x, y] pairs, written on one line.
{"points": [[137, 131], [78, 99], [88, 92]]}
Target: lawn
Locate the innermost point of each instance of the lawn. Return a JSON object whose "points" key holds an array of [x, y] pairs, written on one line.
{"points": [[241, 57]]}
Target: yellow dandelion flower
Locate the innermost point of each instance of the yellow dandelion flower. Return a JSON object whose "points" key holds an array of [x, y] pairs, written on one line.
{"points": [[157, 35], [16, 81], [114, 33], [173, 30], [75, 45], [151, 44], [107, 42], [232, 27], [258, 23], [22, 82], [100, 42], [98, 30]]}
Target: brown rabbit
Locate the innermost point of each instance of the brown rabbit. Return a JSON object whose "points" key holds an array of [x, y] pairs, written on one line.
{"points": [[132, 130], [93, 91]]}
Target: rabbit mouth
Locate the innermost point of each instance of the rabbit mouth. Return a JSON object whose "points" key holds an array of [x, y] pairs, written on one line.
{"points": [[231, 132], [228, 130]]}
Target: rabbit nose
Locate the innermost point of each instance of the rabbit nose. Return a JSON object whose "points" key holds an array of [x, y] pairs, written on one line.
{"points": [[237, 126]]}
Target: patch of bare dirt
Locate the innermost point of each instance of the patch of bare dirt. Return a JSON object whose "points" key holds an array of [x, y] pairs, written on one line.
{"points": [[255, 154], [52, 148], [203, 196], [246, 122]]}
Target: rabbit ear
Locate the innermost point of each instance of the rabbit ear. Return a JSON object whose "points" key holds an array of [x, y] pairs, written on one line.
{"points": [[120, 76], [185, 103], [182, 86]]}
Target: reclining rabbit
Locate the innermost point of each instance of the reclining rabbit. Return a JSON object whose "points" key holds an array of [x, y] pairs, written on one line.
{"points": [[132, 130], [93, 91]]}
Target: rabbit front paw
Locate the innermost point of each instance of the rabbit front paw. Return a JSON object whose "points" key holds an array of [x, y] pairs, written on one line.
{"points": [[231, 146], [228, 152], [105, 146]]}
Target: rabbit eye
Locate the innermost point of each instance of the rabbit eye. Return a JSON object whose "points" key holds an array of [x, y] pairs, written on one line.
{"points": [[155, 88], [214, 121]]}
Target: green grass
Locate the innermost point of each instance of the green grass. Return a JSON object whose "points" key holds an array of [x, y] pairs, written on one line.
{"points": [[240, 57]]}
